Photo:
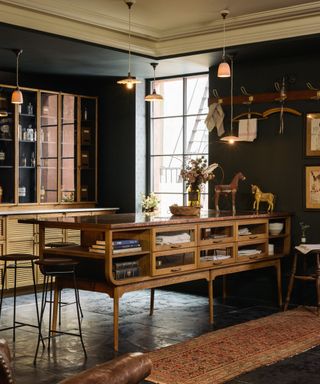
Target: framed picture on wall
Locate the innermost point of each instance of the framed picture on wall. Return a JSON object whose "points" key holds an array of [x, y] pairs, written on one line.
{"points": [[313, 134], [312, 193]]}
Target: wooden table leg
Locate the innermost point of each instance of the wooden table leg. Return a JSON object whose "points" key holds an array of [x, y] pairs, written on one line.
{"points": [[290, 287], [151, 301], [278, 269], [116, 320], [210, 294], [318, 283]]}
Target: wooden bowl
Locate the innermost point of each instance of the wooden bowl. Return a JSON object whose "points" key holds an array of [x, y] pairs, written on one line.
{"points": [[182, 210]]}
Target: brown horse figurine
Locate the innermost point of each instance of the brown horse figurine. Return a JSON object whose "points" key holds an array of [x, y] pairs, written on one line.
{"points": [[226, 189]]}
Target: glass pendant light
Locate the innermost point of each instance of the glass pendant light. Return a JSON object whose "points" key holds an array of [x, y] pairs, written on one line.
{"points": [[224, 68], [17, 97], [231, 138], [129, 81], [154, 96]]}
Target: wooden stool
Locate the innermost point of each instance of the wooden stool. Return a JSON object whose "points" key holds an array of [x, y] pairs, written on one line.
{"points": [[52, 268], [19, 261], [315, 276]]}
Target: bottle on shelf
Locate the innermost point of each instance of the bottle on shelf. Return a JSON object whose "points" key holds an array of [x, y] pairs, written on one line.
{"points": [[23, 160], [85, 115], [42, 193], [2, 155], [30, 109], [30, 133], [33, 160], [22, 191], [24, 134]]}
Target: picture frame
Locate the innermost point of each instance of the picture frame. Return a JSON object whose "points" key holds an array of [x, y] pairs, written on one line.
{"points": [[313, 134], [312, 187]]}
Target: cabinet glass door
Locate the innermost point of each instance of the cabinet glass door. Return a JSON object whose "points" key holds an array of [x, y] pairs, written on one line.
{"points": [[68, 148], [7, 147], [49, 148], [27, 132], [87, 150]]}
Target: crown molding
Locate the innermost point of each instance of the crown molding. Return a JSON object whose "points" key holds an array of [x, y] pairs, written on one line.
{"points": [[62, 19]]}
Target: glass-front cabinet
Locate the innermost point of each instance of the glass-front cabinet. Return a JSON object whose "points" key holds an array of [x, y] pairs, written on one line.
{"points": [[47, 148], [7, 147]]}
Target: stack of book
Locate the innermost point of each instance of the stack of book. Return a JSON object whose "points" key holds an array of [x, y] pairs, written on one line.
{"points": [[118, 246], [125, 269]]}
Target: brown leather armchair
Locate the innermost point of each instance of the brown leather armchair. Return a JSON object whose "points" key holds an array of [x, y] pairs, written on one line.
{"points": [[130, 368]]}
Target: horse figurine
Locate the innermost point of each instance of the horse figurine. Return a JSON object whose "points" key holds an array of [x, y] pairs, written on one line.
{"points": [[226, 189], [261, 196]]}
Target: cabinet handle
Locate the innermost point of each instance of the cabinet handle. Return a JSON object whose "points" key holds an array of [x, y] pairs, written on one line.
{"points": [[216, 241], [175, 246], [217, 263], [175, 269], [253, 237], [253, 257]]}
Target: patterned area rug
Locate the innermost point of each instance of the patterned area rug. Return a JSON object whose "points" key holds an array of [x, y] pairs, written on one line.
{"points": [[221, 355]]}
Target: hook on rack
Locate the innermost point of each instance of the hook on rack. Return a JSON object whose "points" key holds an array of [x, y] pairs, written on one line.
{"points": [[312, 88], [245, 93], [216, 95]]}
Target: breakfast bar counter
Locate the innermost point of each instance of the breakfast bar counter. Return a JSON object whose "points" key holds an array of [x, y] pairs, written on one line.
{"points": [[120, 253]]}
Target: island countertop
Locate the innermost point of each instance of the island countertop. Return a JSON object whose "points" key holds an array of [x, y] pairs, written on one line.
{"points": [[140, 220]]}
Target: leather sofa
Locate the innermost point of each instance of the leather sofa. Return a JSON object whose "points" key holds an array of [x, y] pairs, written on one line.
{"points": [[130, 368]]}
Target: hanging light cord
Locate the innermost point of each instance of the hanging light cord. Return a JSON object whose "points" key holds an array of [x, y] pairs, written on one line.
{"points": [[224, 37], [231, 98], [129, 49], [17, 68]]}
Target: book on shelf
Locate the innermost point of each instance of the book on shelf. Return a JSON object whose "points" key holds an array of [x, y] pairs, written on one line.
{"points": [[97, 250], [115, 251], [100, 246], [120, 242], [125, 264], [126, 273]]}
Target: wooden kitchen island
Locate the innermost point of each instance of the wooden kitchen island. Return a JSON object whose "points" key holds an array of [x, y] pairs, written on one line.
{"points": [[159, 251]]}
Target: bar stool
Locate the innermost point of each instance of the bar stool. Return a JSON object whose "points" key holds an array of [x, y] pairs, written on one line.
{"points": [[60, 244], [314, 276], [53, 268], [20, 261]]}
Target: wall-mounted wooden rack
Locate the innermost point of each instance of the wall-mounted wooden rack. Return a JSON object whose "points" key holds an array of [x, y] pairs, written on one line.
{"points": [[267, 97]]}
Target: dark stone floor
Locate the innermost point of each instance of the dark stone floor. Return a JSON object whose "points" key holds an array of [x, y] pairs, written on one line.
{"points": [[177, 317]]}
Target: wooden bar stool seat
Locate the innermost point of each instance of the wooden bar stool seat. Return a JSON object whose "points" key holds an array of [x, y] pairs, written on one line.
{"points": [[53, 268], [18, 261]]}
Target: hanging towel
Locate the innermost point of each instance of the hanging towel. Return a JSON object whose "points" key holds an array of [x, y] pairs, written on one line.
{"points": [[247, 129], [215, 118]]}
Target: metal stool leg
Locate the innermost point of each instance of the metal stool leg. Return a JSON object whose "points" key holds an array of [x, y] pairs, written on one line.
{"points": [[3, 281], [50, 313], [43, 306], [76, 294], [292, 277], [14, 301], [36, 298]]}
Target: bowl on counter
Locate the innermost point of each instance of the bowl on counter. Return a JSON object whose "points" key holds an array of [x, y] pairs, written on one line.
{"points": [[275, 228]]}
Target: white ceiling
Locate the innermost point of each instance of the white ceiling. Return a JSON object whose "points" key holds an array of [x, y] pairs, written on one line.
{"points": [[161, 29]]}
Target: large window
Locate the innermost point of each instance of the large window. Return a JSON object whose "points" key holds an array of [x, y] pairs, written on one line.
{"points": [[177, 134]]}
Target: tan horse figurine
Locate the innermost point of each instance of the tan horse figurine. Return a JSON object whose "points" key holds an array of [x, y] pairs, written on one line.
{"points": [[262, 196], [226, 189]]}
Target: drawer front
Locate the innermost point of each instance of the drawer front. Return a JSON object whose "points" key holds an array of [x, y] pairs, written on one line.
{"points": [[169, 263], [251, 230], [252, 250], [174, 237], [211, 234], [217, 255]]}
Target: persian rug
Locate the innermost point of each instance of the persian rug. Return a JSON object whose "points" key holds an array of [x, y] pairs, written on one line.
{"points": [[221, 355]]}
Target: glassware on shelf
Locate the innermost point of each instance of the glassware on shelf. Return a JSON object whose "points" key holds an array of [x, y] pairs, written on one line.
{"points": [[42, 193], [30, 109], [23, 160], [22, 191], [30, 133], [2, 155], [33, 160]]}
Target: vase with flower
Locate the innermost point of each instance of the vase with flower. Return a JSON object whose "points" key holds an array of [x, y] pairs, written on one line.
{"points": [[149, 203], [196, 174]]}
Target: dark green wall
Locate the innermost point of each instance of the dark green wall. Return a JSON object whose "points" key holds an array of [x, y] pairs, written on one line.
{"points": [[273, 161]]}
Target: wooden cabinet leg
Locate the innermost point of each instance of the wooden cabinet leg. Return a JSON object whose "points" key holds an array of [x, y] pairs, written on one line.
{"points": [[151, 301], [116, 320], [318, 283], [291, 281], [278, 269], [210, 294]]}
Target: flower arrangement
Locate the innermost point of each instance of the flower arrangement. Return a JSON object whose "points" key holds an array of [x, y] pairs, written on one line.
{"points": [[197, 172], [149, 203], [303, 228]]}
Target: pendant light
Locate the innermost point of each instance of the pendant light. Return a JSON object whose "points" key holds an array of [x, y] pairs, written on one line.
{"points": [[231, 138], [154, 96], [129, 81], [17, 97], [224, 68]]}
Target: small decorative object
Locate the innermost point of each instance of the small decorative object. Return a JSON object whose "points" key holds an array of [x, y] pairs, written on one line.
{"points": [[182, 210], [30, 109], [150, 202], [2, 155], [196, 174], [313, 134], [228, 189], [303, 228], [267, 197]]}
